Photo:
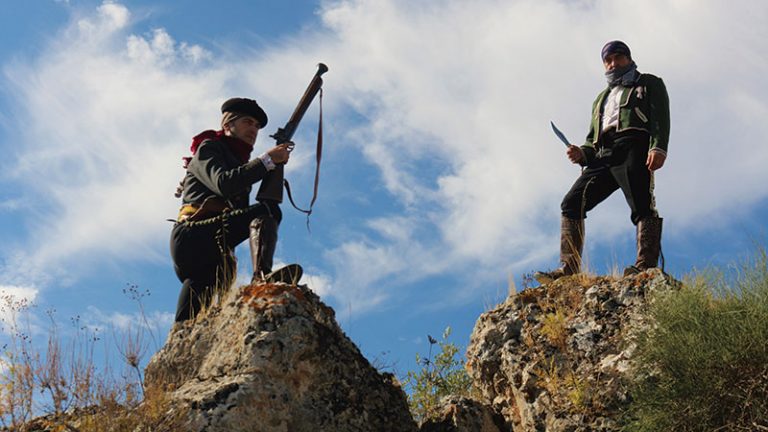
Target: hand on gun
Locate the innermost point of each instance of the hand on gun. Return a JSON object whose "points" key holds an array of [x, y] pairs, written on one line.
{"points": [[281, 152]]}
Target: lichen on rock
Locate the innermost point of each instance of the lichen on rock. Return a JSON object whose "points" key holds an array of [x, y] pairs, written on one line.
{"points": [[272, 358], [556, 357]]}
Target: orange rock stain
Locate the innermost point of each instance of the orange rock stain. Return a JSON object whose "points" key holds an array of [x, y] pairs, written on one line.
{"points": [[262, 296]]}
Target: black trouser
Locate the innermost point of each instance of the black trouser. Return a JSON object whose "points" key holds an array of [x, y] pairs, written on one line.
{"points": [[203, 254], [619, 163]]}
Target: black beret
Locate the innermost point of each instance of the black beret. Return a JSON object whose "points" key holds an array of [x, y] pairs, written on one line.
{"points": [[247, 107]]}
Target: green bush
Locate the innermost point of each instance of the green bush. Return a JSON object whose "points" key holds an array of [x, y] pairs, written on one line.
{"points": [[443, 376], [703, 363]]}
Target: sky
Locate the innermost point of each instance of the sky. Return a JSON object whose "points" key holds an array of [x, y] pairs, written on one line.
{"points": [[441, 179]]}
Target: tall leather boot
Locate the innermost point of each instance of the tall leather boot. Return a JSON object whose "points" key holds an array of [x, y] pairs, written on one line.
{"points": [[571, 247], [263, 241], [648, 245]]}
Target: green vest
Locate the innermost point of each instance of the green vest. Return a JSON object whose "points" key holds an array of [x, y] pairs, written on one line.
{"points": [[644, 106]]}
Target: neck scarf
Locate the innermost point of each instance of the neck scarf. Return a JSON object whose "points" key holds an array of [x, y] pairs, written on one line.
{"points": [[625, 76], [241, 149]]}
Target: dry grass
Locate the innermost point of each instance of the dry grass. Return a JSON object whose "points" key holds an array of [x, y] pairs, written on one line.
{"points": [[58, 387], [555, 329], [701, 365]]}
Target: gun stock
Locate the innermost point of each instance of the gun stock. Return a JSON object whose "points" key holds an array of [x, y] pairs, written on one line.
{"points": [[271, 188]]}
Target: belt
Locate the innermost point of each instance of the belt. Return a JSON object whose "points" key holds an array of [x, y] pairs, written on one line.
{"points": [[608, 137], [211, 207]]}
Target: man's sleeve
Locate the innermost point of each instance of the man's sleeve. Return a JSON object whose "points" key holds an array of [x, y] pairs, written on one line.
{"points": [[659, 116], [208, 167], [588, 148]]}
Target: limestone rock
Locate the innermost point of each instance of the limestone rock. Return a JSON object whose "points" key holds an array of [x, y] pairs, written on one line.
{"points": [[460, 414], [271, 358], [555, 357]]}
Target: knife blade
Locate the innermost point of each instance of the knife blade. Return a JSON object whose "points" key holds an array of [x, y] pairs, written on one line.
{"points": [[560, 134]]}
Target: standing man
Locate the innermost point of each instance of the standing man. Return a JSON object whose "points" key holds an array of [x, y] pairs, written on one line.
{"points": [[626, 143], [215, 215]]}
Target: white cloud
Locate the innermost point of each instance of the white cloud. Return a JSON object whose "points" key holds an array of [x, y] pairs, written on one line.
{"points": [[456, 98], [113, 114], [160, 49], [478, 99], [11, 204], [152, 320], [110, 17]]}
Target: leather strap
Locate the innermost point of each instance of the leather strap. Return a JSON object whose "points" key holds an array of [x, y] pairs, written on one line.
{"points": [[318, 157]]}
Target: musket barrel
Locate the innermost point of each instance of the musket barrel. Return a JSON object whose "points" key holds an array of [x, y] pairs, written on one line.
{"points": [[298, 113], [271, 188]]}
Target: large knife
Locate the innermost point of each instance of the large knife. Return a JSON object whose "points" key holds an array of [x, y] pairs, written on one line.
{"points": [[560, 134]]}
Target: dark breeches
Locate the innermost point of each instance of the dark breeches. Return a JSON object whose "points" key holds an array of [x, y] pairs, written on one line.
{"points": [[620, 163], [203, 254]]}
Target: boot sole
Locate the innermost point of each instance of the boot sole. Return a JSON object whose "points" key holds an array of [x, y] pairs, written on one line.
{"points": [[290, 274]]}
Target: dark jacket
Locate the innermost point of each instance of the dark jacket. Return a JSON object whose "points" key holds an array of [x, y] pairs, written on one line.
{"points": [[215, 171], [644, 107]]}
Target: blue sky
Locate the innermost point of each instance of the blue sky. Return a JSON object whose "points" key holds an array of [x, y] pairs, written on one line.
{"points": [[441, 179]]}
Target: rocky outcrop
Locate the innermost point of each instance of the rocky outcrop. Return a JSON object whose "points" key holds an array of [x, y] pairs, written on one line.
{"points": [[272, 358], [555, 357], [461, 414]]}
